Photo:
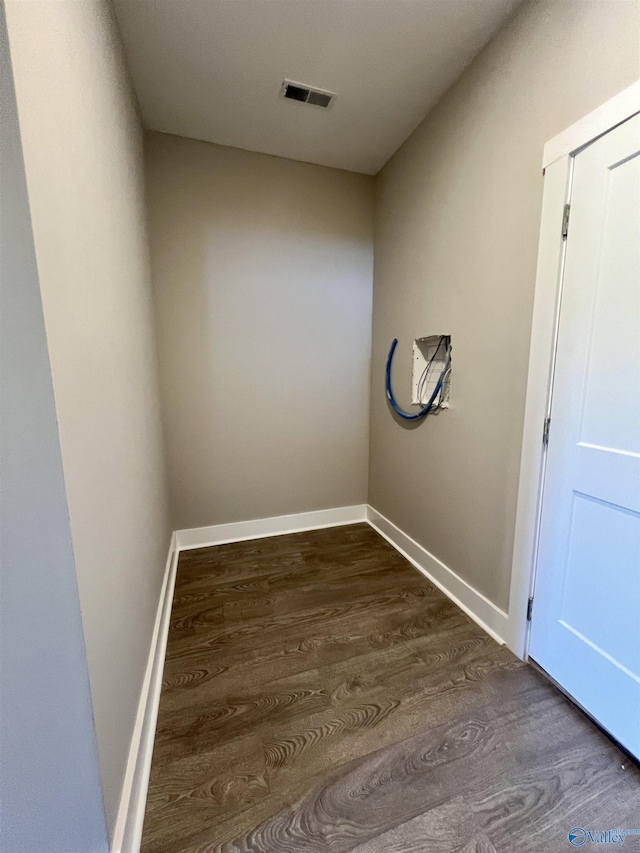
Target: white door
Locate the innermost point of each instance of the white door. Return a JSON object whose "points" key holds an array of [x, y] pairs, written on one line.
{"points": [[585, 628]]}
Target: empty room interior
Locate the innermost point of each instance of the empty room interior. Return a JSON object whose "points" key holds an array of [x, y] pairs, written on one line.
{"points": [[319, 426]]}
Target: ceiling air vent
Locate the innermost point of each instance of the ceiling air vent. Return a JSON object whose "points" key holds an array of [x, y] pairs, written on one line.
{"points": [[306, 94]]}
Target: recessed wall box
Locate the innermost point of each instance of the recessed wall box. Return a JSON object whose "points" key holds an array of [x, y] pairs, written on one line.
{"points": [[429, 360]]}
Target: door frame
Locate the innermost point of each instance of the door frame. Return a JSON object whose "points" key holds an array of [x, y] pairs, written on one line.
{"points": [[557, 168]]}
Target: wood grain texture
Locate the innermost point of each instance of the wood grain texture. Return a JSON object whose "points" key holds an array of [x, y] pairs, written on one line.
{"points": [[319, 694]]}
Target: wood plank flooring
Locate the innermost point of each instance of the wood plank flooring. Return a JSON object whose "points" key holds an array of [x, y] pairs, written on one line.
{"points": [[320, 695]]}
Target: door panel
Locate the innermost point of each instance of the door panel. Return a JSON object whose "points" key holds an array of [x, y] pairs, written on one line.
{"points": [[602, 546], [610, 419], [586, 619]]}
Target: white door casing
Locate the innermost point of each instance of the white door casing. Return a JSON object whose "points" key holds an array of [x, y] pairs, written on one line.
{"points": [[557, 167], [586, 625]]}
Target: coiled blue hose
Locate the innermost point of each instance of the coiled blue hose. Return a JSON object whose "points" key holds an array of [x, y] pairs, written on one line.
{"points": [[409, 416]]}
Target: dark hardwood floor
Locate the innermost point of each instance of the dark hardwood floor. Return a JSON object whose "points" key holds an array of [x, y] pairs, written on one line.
{"points": [[320, 695]]}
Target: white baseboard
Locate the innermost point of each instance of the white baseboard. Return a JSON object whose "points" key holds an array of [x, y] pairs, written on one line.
{"points": [[480, 609], [260, 528], [127, 834], [477, 606]]}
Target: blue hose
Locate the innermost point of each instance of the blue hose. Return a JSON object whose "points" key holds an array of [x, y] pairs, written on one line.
{"points": [[408, 416]]}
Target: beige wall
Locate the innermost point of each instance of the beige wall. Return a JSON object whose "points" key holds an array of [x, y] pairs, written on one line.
{"points": [[83, 157], [458, 211], [50, 789], [262, 272]]}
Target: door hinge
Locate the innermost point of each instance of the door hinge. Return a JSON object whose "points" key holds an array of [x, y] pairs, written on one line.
{"points": [[529, 609], [565, 221], [545, 432]]}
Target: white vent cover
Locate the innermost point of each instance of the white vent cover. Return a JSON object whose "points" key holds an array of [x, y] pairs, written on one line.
{"points": [[306, 94]]}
